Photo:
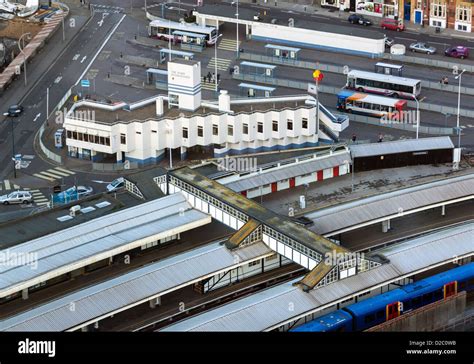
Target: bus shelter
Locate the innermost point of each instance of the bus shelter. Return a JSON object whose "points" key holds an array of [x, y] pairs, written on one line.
{"points": [[159, 77], [389, 69], [283, 53], [252, 90], [191, 41], [180, 54], [257, 69]]}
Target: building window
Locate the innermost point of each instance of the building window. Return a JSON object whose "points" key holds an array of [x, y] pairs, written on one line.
{"points": [[260, 127], [463, 13], [215, 129], [139, 132], [107, 142], [289, 124], [230, 130], [304, 123], [185, 133], [74, 135], [245, 129], [123, 139], [275, 125], [91, 138], [438, 8], [200, 131]]}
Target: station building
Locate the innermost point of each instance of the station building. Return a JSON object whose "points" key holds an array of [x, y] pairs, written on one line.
{"points": [[182, 121]]}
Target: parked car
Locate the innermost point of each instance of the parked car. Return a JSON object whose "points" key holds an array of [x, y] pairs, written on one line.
{"points": [[116, 184], [389, 42], [74, 193], [422, 47], [392, 24], [16, 197], [15, 110], [457, 52], [359, 19]]}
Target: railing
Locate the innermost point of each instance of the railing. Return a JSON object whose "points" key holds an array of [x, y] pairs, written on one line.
{"points": [[326, 130], [113, 167], [428, 62], [133, 189], [54, 157]]}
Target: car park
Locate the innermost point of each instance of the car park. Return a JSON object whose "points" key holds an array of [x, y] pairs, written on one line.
{"points": [[359, 19], [422, 48], [16, 197], [392, 24], [457, 52]]}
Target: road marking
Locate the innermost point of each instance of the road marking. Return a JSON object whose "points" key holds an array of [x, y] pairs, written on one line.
{"points": [[76, 57], [222, 64], [37, 116], [7, 184], [44, 177], [444, 44], [58, 79], [228, 45], [405, 38], [64, 170], [28, 156], [16, 187], [83, 59], [53, 172]]}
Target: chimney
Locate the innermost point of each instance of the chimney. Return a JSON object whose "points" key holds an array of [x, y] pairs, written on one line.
{"points": [[159, 106], [224, 101]]}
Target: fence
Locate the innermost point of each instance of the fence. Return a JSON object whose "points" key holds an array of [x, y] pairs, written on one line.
{"points": [[114, 167], [50, 155], [428, 62]]}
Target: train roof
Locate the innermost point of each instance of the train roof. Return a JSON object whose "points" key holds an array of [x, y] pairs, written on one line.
{"points": [[324, 323], [376, 303]]}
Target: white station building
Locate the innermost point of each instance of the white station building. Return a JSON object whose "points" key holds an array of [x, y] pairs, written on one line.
{"points": [[181, 121]]}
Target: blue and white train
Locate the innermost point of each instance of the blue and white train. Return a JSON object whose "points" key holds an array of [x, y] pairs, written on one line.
{"points": [[387, 306]]}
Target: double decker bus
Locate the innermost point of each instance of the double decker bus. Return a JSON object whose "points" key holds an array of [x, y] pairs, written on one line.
{"points": [[371, 105], [386, 85], [163, 29]]}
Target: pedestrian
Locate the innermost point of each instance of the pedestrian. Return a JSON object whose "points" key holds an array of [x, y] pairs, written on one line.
{"points": [[354, 138], [231, 71], [380, 138], [213, 76], [218, 78], [209, 77]]}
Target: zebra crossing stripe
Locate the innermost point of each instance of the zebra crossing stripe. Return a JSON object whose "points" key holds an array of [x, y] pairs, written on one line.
{"points": [[16, 187], [7, 184], [64, 170], [49, 174], [54, 172], [44, 177]]}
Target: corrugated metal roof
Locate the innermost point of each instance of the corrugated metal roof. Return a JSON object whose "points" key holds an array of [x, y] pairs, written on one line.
{"points": [[270, 308], [345, 215], [130, 288], [98, 239], [288, 171], [400, 146]]}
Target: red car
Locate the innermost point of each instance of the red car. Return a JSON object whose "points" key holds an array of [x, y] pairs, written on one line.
{"points": [[392, 24]]}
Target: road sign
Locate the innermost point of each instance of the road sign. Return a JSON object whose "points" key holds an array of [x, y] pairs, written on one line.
{"points": [[85, 83]]}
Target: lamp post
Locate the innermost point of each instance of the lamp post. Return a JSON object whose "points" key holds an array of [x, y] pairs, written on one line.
{"points": [[459, 76], [28, 35], [13, 144], [237, 28], [417, 117], [215, 56]]}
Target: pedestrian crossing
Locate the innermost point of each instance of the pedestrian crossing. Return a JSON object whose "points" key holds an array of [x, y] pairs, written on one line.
{"points": [[222, 63], [38, 197], [228, 45], [6, 186], [209, 85], [54, 174]]}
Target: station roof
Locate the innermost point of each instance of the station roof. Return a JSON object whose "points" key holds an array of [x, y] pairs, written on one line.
{"points": [[157, 71], [225, 12], [176, 52], [257, 212], [400, 146], [69, 249], [145, 183], [133, 288], [366, 211], [268, 309], [284, 172]]}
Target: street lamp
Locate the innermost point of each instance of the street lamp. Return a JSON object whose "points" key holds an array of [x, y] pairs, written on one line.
{"points": [[21, 50], [459, 76], [215, 56], [237, 29], [13, 144], [417, 117]]}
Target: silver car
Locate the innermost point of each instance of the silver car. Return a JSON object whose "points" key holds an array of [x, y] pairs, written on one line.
{"points": [[16, 197], [422, 47]]}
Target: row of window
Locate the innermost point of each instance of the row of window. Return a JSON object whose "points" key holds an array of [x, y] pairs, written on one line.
{"points": [[245, 128], [83, 137], [438, 9]]}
